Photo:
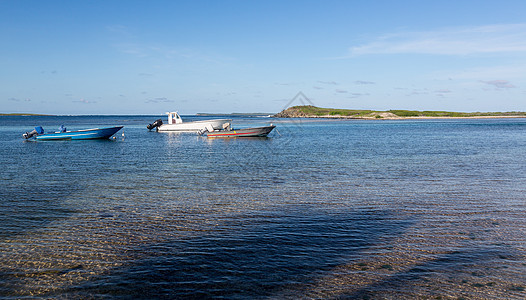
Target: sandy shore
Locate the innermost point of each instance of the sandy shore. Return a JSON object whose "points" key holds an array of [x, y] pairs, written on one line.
{"points": [[408, 118]]}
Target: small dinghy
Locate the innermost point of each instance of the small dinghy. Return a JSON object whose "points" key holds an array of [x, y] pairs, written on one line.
{"points": [[63, 134], [229, 132]]}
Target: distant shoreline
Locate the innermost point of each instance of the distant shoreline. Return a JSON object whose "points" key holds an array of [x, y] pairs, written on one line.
{"points": [[309, 111], [22, 114], [377, 115], [402, 118], [472, 117]]}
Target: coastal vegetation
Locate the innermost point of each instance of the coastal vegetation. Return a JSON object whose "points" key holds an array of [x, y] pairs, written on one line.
{"points": [[310, 111], [428, 113]]}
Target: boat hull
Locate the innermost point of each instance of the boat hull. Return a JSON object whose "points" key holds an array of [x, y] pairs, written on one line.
{"points": [[194, 126], [86, 134], [245, 132]]}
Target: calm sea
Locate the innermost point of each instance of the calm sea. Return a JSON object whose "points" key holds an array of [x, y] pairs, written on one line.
{"points": [[321, 209]]}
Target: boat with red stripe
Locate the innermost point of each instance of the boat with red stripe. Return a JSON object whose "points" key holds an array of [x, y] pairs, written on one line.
{"points": [[244, 132]]}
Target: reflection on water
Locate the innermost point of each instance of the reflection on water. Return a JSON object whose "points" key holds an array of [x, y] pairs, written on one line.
{"points": [[380, 209]]}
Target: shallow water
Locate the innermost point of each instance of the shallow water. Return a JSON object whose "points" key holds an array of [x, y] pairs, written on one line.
{"points": [[321, 209]]}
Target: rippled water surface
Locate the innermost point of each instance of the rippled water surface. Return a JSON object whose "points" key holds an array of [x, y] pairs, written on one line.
{"points": [[321, 209]]}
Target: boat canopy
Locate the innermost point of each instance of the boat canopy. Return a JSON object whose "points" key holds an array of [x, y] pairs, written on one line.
{"points": [[174, 118]]}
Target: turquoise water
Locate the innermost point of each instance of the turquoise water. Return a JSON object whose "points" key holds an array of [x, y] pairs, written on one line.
{"points": [[320, 209]]}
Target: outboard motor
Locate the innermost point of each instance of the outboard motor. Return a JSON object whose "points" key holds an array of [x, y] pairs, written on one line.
{"points": [[155, 124], [38, 130]]}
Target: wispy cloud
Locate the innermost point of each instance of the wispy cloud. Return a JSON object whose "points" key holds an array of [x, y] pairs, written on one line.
{"points": [[442, 92], [358, 95], [119, 30], [134, 50], [416, 92], [159, 100], [85, 101], [499, 84], [167, 52], [480, 74], [450, 41], [363, 82], [18, 100], [328, 82]]}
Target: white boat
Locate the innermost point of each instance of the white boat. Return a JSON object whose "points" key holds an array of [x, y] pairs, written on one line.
{"points": [[175, 123]]}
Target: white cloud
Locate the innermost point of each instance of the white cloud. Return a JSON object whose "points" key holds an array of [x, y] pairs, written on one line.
{"points": [[450, 41]]}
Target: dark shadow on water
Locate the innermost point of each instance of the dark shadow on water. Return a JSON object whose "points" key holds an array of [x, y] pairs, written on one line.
{"points": [[467, 263], [254, 257]]}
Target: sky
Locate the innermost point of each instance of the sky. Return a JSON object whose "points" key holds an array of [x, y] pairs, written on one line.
{"points": [[224, 56]]}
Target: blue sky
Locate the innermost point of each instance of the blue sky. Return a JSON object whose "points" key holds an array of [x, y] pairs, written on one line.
{"points": [[149, 57]]}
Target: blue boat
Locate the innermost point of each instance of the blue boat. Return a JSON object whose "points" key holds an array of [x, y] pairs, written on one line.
{"points": [[85, 134]]}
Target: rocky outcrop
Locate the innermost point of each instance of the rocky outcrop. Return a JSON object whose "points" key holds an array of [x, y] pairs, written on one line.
{"points": [[381, 115], [292, 112]]}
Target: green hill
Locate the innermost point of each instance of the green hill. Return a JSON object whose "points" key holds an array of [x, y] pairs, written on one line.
{"points": [[309, 111]]}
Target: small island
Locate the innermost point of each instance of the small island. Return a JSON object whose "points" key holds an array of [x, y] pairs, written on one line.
{"points": [[309, 111]]}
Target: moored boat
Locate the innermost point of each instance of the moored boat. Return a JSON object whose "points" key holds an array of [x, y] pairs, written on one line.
{"points": [[175, 123], [84, 134], [244, 132]]}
